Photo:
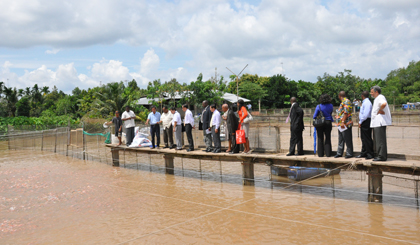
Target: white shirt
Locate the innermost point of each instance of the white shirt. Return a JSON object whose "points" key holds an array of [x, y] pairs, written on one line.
{"points": [[167, 119], [378, 120], [129, 123], [215, 119], [189, 119], [177, 119]]}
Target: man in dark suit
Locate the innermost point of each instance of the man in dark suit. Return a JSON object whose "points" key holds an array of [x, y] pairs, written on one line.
{"points": [[205, 120], [232, 123], [296, 128]]}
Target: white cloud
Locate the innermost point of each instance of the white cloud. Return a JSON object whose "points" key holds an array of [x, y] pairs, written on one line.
{"points": [[370, 37], [110, 71], [53, 51]]}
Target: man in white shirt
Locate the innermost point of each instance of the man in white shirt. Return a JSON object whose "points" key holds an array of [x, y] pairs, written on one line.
{"points": [[215, 128], [177, 127], [189, 125], [166, 121], [365, 129], [154, 119], [380, 118], [128, 117]]}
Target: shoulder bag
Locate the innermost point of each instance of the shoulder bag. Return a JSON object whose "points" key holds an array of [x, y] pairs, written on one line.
{"points": [[319, 121], [248, 118]]}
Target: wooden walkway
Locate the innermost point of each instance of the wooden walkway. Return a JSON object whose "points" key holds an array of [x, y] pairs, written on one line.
{"points": [[401, 164]]}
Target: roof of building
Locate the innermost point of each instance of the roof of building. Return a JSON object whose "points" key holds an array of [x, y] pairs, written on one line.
{"points": [[226, 96]]}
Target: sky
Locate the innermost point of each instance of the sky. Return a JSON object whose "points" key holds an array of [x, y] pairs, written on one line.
{"points": [[83, 44]]}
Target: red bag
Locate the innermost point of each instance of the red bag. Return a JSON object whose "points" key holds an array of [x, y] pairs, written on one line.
{"points": [[240, 135]]}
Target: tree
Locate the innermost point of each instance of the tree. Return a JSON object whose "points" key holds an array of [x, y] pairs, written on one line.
{"points": [[23, 107], [252, 91], [109, 99], [11, 96]]}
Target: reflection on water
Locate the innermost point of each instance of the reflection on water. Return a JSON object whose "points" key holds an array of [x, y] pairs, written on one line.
{"points": [[49, 199]]}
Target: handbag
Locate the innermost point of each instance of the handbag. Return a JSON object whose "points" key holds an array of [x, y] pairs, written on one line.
{"points": [[319, 121], [240, 136], [248, 118]]}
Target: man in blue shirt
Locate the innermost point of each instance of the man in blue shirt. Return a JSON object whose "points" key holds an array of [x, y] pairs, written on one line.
{"points": [[365, 129], [154, 119]]}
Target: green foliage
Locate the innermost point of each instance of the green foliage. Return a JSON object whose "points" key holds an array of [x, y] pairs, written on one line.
{"points": [[23, 108]]}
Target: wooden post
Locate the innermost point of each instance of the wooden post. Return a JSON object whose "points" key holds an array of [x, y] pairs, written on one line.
{"points": [[375, 185], [42, 141], [169, 163], [278, 139], [55, 144], [248, 173], [8, 137], [115, 157], [84, 143], [68, 137]]}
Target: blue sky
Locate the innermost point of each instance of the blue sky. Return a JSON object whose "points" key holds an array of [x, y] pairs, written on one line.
{"points": [[80, 43]]}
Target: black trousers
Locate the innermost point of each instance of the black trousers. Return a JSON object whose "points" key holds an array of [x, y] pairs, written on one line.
{"points": [[296, 139], [366, 136], [188, 131], [379, 135], [155, 130], [168, 138], [216, 138], [324, 139], [129, 135], [347, 138]]}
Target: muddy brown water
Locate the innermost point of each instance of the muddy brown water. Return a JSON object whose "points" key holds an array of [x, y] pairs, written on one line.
{"points": [[47, 198]]}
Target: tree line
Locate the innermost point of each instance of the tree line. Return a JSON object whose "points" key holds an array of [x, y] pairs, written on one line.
{"points": [[401, 85]]}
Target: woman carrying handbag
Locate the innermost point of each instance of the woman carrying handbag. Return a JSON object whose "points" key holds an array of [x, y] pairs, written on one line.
{"points": [[323, 124], [244, 124]]}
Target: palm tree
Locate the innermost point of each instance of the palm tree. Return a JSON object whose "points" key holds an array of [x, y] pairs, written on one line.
{"points": [[11, 96], [110, 98]]}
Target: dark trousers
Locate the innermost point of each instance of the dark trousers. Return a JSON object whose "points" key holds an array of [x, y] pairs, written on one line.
{"points": [[296, 139], [366, 136], [155, 130], [168, 138], [188, 131], [216, 138], [379, 135], [345, 137], [129, 135], [324, 139]]}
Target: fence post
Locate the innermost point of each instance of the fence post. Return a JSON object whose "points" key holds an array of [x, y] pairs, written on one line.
{"points": [[68, 138], [8, 137], [42, 141], [55, 144], [83, 142], [278, 139]]}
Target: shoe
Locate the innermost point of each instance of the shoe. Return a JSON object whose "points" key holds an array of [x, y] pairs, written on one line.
{"points": [[368, 157], [165, 147], [209, 150], [299, 154], [231, 152], [217, 151], [289, 154], [153, 147], [378, 160], [360, 156], [179, 149], [170, 148], [205, 150], [190, 150], [348, 156], [337, 156]]}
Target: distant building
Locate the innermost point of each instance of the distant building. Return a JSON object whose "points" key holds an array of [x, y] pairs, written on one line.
{"points": [[227, 98]]}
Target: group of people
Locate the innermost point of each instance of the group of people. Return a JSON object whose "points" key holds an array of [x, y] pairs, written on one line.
{"points": [[210, 122], [374, 118]]}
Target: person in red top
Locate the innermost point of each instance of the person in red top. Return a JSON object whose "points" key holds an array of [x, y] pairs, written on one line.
{"points": [[243, 113]]}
